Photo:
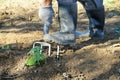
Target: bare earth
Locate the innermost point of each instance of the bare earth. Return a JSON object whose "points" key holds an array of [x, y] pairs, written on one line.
{"points": [[91, 59]]}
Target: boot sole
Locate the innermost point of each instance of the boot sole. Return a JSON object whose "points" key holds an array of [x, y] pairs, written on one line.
{"points": [[57, 41]]}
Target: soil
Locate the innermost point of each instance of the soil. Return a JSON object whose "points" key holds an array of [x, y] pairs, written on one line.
{"points": [[90, 59]]}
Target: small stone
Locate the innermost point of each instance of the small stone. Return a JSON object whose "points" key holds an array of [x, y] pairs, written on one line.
{"points": [[35, 71], [65, 75], [17, 69], [106, 43]]}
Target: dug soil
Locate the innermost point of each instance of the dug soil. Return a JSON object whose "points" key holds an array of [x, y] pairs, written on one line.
{"points": [[89, 59]]}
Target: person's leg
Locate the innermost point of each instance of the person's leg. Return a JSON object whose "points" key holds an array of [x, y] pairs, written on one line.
{"points": [[67, 19], [95, 12], [46, 14], [96, 24]]}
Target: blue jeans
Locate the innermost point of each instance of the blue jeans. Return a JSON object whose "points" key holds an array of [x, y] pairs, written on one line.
{"points": [[67, 17], [46, 15], [95, 12]]}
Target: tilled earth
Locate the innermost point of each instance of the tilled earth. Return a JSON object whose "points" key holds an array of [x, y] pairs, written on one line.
{"points": [[89, 59]]}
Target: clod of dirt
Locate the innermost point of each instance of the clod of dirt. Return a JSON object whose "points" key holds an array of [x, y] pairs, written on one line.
{"points": [[66, 75]]}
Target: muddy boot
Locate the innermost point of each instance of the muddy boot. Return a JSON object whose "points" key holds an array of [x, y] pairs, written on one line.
{"points": [[95, 13], [92, 24], [80, 34], [94, 32], [96, 23], [99, 34], [45, 31], [67, 19], [46, 15], [62, 38]]}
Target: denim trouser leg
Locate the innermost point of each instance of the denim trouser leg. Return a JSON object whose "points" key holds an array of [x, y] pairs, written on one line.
{"points": [[46, 15], [95, 12], [96, 18], [67, 17]]}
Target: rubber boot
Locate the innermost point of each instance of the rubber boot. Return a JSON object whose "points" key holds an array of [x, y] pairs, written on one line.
{"points": [[45, 29], [96, 22], [67, 16], [46, 15], [95, 12]]}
